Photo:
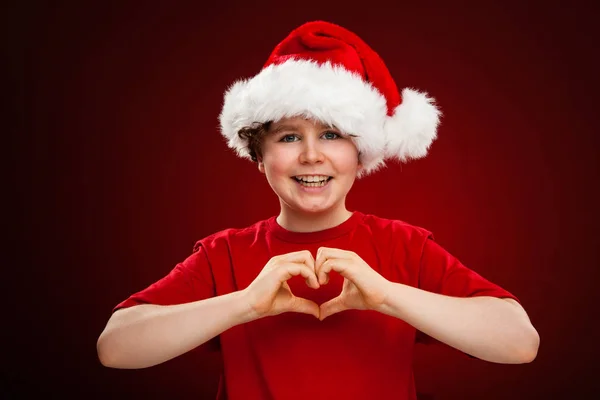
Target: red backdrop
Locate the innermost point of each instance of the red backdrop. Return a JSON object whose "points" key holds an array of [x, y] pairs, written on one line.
{"points": [[120, 167]]}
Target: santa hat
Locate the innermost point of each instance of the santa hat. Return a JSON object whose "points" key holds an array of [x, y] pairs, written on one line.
{"points": [[325, 72]]}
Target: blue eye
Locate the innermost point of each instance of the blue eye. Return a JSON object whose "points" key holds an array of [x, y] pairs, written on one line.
{"points": [[331, 135], [287, 137]]}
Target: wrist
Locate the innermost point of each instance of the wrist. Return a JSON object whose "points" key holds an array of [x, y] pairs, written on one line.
{"points": [[390, 293], [247, 313]]}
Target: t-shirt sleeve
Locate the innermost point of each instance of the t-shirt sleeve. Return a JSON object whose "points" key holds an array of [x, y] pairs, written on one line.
{"points": [[190, 280], [442, 273]]}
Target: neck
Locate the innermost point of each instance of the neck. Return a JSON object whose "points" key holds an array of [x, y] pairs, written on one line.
{"points": [[298, 221]]}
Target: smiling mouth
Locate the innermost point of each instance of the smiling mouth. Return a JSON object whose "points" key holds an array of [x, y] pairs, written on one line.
{"points": [[312, 181]]}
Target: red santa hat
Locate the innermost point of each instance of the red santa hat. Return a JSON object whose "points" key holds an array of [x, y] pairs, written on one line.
{"points": [[325, 72]]}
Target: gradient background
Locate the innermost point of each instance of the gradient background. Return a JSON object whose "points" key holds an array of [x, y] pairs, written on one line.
{"points": [[116, 167]]}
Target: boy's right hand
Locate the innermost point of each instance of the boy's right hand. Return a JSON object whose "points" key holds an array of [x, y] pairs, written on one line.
{"points": [[269, 294]]}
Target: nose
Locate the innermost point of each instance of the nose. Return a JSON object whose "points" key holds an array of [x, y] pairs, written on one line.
{"points": [[311, 152]]}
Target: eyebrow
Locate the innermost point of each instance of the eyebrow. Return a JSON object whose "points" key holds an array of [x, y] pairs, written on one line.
{"points": [[288, 127], [281, 128]]}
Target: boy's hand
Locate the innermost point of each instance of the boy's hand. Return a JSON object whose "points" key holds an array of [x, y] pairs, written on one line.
{"points": [[269, 294], [363, 287]]}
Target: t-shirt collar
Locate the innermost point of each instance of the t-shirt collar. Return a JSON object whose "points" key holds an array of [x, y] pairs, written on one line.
{"points": [[313, 237]]}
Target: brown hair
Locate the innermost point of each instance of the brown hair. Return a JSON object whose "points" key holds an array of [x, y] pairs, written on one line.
{"points": [[254, 135]]}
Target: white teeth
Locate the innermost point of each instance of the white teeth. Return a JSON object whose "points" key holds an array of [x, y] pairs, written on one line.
{"points": [[313, 184], [312, 178]]}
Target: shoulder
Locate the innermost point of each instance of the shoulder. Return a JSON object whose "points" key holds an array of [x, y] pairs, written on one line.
{"points": [[404, 242], [225, 237], [395, 227]]}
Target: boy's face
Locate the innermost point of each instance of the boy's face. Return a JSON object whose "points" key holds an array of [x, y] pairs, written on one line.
{"points": [[300, 149]]}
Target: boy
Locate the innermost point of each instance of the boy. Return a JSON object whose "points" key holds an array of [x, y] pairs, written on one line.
{"points": [[320, 302]]}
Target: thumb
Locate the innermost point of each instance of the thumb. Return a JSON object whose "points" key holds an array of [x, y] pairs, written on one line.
{"points": [[304, 306], [331, 307]]}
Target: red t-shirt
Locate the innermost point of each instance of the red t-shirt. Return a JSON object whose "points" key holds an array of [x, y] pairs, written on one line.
{"points": [[349, 355]]}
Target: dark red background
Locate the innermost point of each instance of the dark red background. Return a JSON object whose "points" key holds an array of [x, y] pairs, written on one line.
{"points": [[117, 167]]}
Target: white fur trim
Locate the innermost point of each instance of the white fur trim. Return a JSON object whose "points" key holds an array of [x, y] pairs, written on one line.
{"points": [[413, 127], [324, 92]]}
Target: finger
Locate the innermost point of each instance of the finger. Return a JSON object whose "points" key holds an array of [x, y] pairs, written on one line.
{"points": [[332, 252], [322, 271], [287, 270], [331, 307], [303, 256], [322, 274], [304, 306], [325, 253], [339, 265], [298, 256]]}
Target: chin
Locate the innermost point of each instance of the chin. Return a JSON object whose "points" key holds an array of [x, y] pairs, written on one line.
{"points": [[313, 208]]}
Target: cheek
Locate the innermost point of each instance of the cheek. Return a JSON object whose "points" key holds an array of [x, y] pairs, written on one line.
{"points": [[277, 164], [347, 159]]}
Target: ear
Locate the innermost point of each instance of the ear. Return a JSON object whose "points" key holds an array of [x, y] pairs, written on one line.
{"points": [[261, 166], [360, 164]]}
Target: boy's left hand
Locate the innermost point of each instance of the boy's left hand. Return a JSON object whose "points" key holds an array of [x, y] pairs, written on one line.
{"points": [[363, 289]]}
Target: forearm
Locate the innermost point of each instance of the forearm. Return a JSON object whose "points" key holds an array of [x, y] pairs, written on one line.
{"points": [[488, 328], [146, 335]]}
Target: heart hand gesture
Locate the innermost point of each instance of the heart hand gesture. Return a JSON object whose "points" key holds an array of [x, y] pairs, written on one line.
{"points": [[363, 288], [269, 294]]}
